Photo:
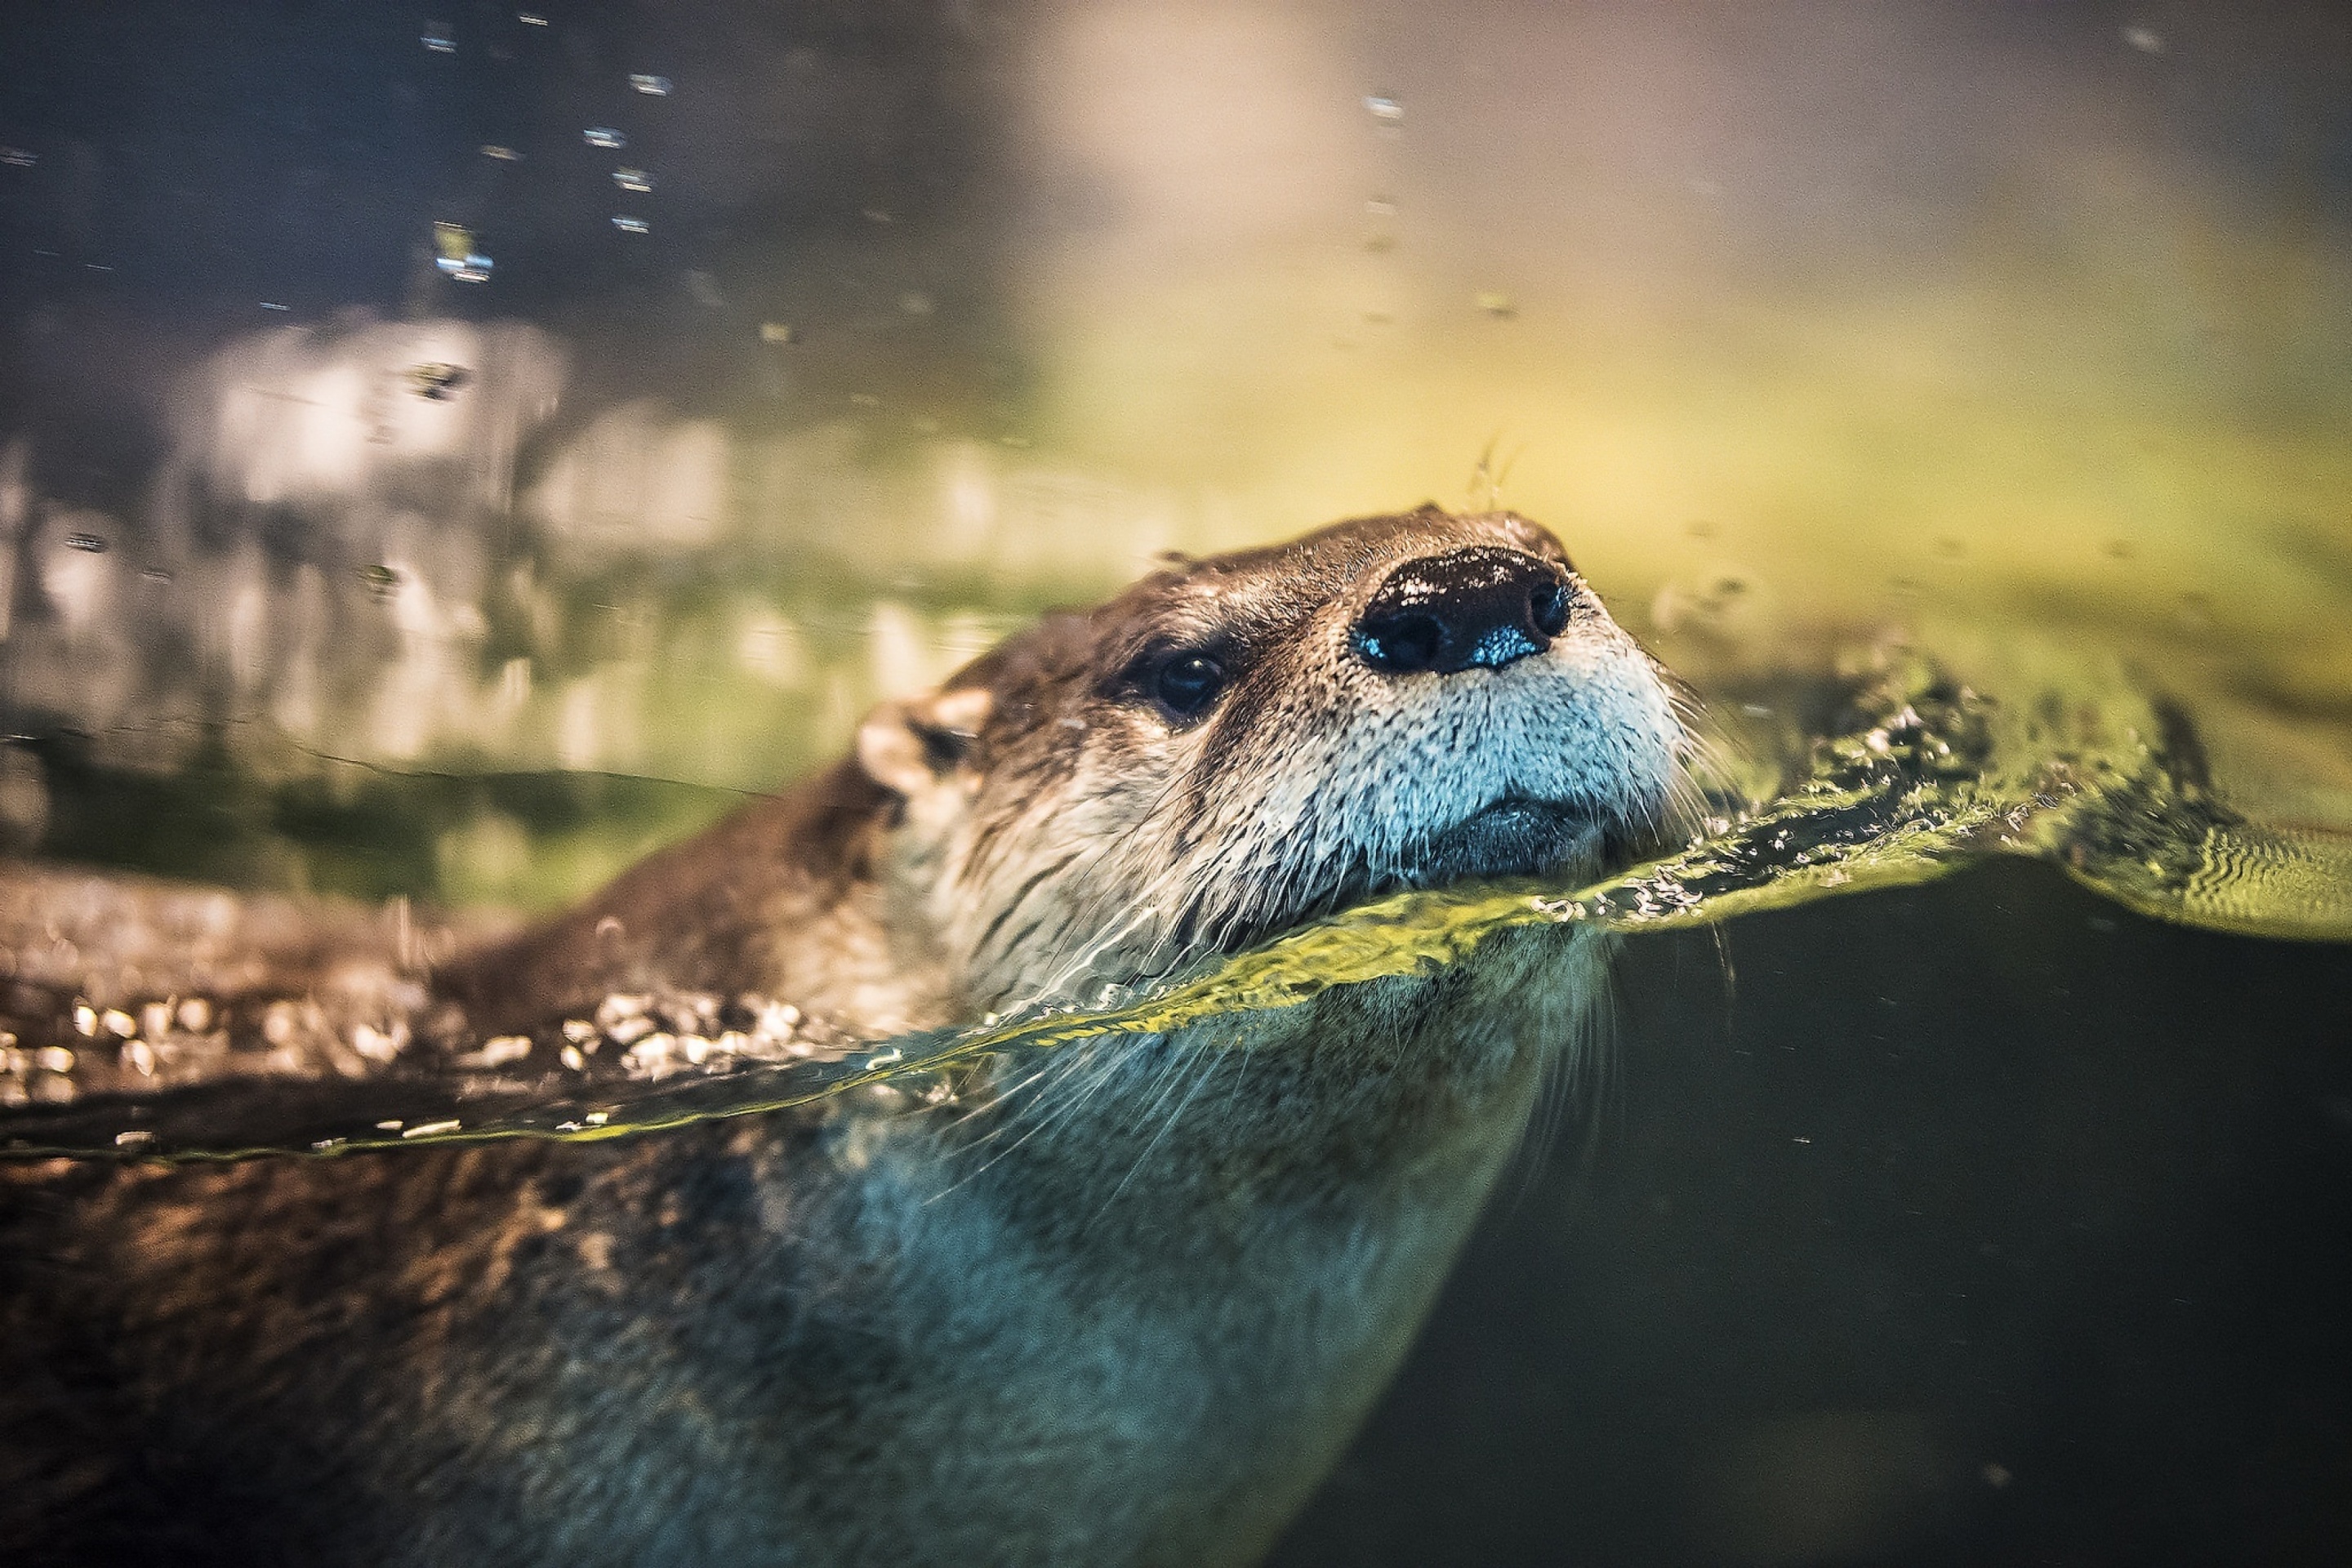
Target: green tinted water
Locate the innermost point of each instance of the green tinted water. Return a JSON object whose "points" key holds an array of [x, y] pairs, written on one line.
{"points": [[1889, 771], [1974, 448]]}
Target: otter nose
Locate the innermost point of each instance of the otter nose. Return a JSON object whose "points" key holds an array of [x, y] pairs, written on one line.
{"points": [[1481, 606]]}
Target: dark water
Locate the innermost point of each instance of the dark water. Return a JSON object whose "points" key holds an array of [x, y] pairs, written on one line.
{"points": [[2021, 1235]]}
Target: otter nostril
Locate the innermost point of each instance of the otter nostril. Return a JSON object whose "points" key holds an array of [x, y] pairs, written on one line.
{"points": [[1548, 608], [1402, 643], [1480, 607]]}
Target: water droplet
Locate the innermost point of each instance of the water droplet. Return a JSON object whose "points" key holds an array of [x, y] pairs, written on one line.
{"points": [[777, 332], [1384, 108], [2146, 40], [651, 86], [382, 581], [136, 1138], [274, 305], [439, 38], [433, 382], [428, 1129], [633, 179], [604, 136], [88, 543], [1495, 303], [458, 255], [530, 18], [17, 158], [501, 151], [631, 224]]}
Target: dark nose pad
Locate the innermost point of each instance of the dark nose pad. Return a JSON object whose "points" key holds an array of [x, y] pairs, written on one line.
{"points": [[1482, 606]]}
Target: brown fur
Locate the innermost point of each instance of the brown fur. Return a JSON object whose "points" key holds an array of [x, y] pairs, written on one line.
{"points": [[1121, 1304]]}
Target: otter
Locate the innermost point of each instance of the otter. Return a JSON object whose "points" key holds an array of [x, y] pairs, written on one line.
{"points": [[1121, 1301]]}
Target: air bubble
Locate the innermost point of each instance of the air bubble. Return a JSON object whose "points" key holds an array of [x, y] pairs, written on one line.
{"points": [[458, 258], [436, 381]]}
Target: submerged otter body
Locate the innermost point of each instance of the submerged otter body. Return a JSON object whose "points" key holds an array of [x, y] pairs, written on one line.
{"points": [[1123, 1304]]}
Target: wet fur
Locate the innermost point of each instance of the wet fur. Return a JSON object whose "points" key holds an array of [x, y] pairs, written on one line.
{"points": [[1315, 779], [1122, 1303]]}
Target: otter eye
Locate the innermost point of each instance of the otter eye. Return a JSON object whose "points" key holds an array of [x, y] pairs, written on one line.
{"points": [[1186, 684]]}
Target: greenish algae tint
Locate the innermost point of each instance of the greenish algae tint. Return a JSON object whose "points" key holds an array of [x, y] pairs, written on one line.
{"points": [[1890, 772]]}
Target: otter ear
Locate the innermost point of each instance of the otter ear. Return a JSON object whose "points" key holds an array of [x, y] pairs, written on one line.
{"points": [[911, 746]]}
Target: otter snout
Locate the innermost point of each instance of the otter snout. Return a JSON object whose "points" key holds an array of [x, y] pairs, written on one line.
{"points": [[1482, 606]]}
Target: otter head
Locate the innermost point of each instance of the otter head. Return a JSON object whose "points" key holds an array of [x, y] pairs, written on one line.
{"points": [[1238, 743]]}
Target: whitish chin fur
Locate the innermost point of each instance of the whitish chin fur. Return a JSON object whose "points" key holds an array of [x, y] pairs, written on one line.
{"points": [[1512, 837]]}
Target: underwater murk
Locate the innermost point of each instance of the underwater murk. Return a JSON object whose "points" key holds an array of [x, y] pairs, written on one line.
{"points": [[440, 464]]}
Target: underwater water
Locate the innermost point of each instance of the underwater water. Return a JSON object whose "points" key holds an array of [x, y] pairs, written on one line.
{"points": [[441, 463]]}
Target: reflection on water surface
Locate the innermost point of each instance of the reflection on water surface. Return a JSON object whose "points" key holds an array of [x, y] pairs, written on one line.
{"points": [[1892, 774]]}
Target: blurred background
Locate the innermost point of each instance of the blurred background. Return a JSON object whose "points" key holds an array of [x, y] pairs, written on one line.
{"points": [[448, 449], [641, 390]]}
